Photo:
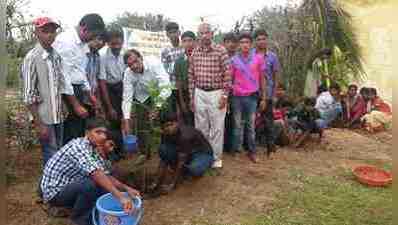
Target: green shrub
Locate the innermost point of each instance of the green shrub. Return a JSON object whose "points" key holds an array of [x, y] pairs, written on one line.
{"points": [[13, 75]]}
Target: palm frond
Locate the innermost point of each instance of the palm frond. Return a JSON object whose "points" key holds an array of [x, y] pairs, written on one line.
{"points": [[335, 29]]}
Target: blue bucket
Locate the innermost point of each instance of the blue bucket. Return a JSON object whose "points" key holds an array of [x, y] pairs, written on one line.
{"points": [[130, 143], [110, 211]]}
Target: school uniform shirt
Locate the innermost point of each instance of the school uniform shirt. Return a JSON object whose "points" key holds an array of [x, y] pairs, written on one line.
{"points": [[136, 86], [112, 67], [326, 103], [75, 161], [44, 82], [74, 57], [181, 71], [168, 57]]}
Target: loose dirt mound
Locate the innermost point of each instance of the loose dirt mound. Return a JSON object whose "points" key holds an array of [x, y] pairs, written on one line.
{"points": [[240, 188]]}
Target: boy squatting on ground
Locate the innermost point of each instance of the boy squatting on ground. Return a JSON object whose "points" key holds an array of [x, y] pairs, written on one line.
{"points": [[305, 118], [186, 151], [80, 172]]}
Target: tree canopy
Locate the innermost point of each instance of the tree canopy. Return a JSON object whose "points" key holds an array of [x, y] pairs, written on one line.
{"points": [[298, 32], [148, 21]]}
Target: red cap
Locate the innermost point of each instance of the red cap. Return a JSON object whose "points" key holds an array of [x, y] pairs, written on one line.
{"points": [[42, 21]]}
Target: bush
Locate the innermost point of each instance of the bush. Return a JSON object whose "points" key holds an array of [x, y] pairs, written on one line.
{"points": [[13, 75], [20, 133]]}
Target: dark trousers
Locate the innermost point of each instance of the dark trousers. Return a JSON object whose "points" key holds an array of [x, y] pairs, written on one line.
{"points": [[305, 126], [196, 165], [269, 124], [81, 197], [171, 106], [172, 102], [228, 128], [115, 92], [54, 142], [266, 134], [187, 117], [75, 126]]}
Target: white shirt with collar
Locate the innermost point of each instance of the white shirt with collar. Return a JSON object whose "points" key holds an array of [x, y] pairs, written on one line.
{"points": [[44, 82], [111, 67], [326, 102], [74, 56], [136, 86]]}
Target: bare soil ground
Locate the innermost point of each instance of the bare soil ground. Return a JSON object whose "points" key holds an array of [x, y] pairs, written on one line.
{"points": [[224, 196]]}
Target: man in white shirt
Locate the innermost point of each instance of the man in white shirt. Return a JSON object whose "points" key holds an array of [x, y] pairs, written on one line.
{"points": [[112, 68], [141, 78], [110, 81], [73, 48]]}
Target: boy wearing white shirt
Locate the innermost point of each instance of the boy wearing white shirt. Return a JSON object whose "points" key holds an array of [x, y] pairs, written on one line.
{"points": [[44, 84], [329, 106]]}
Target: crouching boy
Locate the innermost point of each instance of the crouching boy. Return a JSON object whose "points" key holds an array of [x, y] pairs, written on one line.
{"points": [[80, 172], [185, 151], [306, 119]]}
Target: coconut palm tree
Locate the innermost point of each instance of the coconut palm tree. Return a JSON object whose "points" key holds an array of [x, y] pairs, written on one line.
{"points": [[299, 32], [332, 28]]}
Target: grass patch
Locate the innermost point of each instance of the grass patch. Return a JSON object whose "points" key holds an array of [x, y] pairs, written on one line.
{"points": [[382, 164], [329, 201], [212, 173], [10, 179]]}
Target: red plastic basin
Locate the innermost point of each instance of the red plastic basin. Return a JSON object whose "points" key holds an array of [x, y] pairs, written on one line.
{"points": [[372, 176]]}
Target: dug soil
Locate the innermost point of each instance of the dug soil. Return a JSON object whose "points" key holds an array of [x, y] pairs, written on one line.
{"points": [[223, 196]]}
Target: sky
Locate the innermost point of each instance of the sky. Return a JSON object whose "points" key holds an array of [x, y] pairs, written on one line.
{"points": [[186, 13]]}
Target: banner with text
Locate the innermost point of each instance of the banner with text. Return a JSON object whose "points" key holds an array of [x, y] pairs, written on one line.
{"points": [[147, 42]]}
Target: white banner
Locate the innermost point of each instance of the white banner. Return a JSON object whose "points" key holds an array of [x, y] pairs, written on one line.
{"points": [[146, 42]]}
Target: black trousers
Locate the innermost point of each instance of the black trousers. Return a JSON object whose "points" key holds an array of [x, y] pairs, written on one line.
{"points": [[75, 126], [188, 117], [269, 123], [115, 92], [266, 135]]}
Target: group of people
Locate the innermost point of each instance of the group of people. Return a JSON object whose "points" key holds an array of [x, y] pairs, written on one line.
{"points": [[366, 110], [222, 98]]}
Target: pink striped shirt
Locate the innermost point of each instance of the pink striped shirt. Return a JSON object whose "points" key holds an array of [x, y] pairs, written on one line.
{"points": [[246, 74]]}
